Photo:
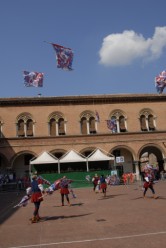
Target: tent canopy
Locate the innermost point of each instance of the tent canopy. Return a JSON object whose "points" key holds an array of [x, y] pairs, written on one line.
{"points": [[72, 156], [44, 158], [98, 155]]}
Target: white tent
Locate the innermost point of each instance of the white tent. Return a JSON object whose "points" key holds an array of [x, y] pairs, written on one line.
{"points": [[44, 158], [98, 155], [73, 156]]}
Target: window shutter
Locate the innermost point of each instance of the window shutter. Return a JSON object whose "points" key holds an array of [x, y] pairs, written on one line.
{"points": [[151, 122], [83, 125], [61, 126], [143, 123], [52, 127], [21, 128], [122, 124], [92, 125], [29, 127]]}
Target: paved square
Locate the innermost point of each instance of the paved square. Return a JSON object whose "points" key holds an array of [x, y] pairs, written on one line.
{"points": [[122, 219]]}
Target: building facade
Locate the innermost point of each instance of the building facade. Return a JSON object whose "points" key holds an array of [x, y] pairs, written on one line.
{"points": [[131, 127]]}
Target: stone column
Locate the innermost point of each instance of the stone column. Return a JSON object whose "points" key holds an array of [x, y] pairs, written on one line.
{"points": [[137, 171], [87, 125]]}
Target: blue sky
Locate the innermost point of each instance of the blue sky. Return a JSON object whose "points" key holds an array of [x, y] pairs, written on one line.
{"points": [[119, 46]]}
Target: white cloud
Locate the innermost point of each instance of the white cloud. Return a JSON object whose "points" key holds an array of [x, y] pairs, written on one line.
{"points": [[124, 48]]}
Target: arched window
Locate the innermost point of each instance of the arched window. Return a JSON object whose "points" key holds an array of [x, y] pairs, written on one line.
{"points": [[117, 122], [25, 125], [57, 124], [88, 123], [147, 121]]}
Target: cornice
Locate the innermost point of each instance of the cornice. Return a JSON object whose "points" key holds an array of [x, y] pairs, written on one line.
{"points": [[81, 100]]}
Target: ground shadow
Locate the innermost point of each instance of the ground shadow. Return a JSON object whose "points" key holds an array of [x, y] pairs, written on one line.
{"points": [[150, 198], [109, 196], [72, 205], [47, 218]]}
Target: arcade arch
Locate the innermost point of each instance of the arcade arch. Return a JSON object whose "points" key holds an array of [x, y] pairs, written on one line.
{"points": [[154, 155], [124, 159], [20, 163]]}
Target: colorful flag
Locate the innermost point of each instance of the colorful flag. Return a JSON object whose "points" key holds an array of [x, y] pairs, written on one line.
{"points": [[23, 202], [111, 124], [160, 82], [41, 180], [72, 193], [33, 79], [64, 57], [97, 117]]}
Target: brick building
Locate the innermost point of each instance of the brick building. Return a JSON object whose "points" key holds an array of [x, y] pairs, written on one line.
{"points": [[128, 126]]}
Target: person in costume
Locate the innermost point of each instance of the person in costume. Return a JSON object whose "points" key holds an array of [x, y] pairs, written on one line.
{"points": [[95, 180], [36, 198], [124, 178], [64, 189], [103, 184], [149, 181], [41, 180]]}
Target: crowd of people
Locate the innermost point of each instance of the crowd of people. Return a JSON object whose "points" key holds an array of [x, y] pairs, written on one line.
{"points": [[127, 178], [36, 191], [149, 179], [10, 178]]}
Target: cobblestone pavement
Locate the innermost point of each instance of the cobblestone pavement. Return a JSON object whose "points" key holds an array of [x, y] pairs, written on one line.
{"points": [[121, 219]]}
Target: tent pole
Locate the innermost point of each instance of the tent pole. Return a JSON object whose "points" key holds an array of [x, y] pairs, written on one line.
{"points": [[87, 167], [59, 168]]}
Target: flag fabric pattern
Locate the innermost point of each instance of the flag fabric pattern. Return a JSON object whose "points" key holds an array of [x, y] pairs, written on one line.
{"points": [[64, 57], [23, 202], [41, 180], [33, 79], [160, 82], [111, 124]]}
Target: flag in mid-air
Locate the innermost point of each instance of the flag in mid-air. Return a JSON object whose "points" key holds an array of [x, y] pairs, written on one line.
{"points": [[23, 202], [160, 82], [111, 124], [33, 79], [64, 57]]}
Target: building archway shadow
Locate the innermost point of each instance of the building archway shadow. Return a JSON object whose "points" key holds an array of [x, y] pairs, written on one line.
{"points": [[8, 201]]}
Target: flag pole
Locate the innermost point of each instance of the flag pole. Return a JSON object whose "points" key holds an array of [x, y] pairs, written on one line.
{"points": [[47, 42], [57, 45]]}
